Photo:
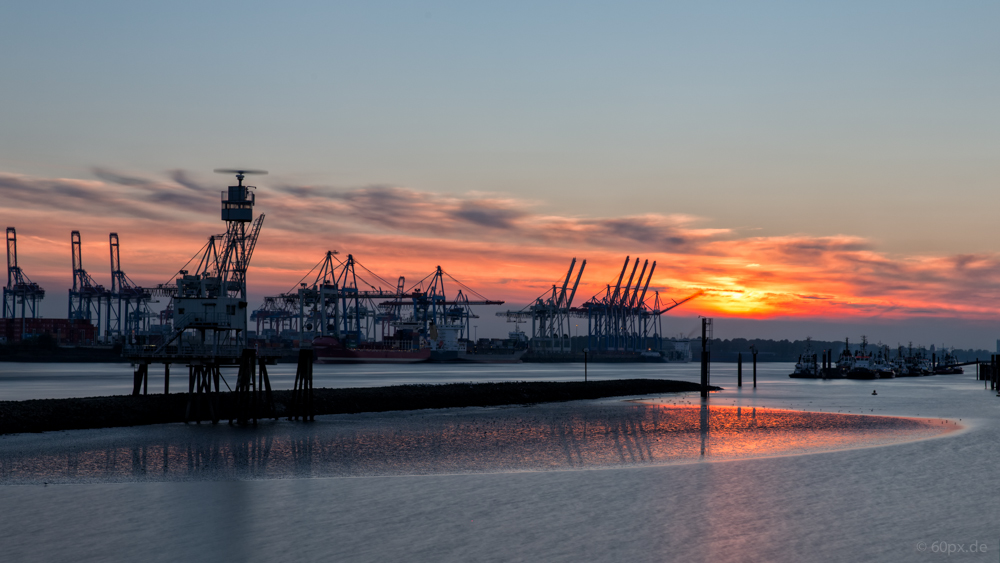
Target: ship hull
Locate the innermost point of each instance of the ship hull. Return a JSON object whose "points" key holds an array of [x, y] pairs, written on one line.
{"points": [[805, 375], [513, 357], [861, 374], [329, 351]]}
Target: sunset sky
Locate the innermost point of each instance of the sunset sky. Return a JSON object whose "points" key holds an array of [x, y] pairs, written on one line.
{"points": [[823, 170]]}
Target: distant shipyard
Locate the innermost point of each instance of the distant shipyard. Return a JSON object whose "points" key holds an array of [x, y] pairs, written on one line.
{"points": [[340, 309]]}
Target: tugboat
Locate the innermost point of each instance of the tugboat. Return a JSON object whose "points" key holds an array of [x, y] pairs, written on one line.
{"points": [[948, 365], [807, 367], [915, 366], [923, 364], [882, 366], [862, 367], [845, 363], [901, 366]]}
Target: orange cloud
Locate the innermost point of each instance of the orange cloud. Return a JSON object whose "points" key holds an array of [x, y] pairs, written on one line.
{"points": [[500, 246]]}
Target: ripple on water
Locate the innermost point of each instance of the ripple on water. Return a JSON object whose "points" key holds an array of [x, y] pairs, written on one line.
{"points": [[580, 435]]}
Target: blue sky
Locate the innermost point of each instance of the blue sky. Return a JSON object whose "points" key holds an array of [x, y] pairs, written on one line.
{"points": [[875, 120]]}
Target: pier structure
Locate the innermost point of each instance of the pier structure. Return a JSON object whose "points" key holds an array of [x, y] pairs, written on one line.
{"points": [[208, 322], [20, 290]]}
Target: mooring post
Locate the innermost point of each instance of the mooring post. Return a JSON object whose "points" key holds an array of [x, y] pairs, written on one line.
{"points": [[136, 379], [739, 369], [293, 407], [704, 358], [166, 379], [302, 393], [993, 371], [311, 408], [989, 377], [213, 403], [585, 350], [753, 350], [268, 398], [187, 409]]}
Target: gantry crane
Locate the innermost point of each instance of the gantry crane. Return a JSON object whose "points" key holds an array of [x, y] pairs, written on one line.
{"points": [[88, 300], [432, 306], [19, 290], [549, 315], [620, 320], [129, 312]]}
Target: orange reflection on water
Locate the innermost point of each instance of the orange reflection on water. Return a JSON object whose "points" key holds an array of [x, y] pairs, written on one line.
{"points": [[725, 432], [551, 437]]}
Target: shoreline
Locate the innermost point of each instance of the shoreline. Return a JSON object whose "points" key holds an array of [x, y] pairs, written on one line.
{"points": [[49, 415]]}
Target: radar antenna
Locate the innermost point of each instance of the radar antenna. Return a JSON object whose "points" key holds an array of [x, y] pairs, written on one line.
{"points": [[239, 173]]}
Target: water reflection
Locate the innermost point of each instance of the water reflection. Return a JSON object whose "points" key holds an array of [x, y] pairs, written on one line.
{"points": [[458, 441]]}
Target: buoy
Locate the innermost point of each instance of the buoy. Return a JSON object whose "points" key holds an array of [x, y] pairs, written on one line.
{"points": [[874, 392]]}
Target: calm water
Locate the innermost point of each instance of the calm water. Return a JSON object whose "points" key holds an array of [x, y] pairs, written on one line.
{"points": [[752, 477]]}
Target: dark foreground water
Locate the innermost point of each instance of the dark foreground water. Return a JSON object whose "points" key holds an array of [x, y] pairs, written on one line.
{"points": [[751, 477]]}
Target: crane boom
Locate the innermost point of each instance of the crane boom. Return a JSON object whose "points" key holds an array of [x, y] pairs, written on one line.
{"points": [[569, 303], [681, 302]]}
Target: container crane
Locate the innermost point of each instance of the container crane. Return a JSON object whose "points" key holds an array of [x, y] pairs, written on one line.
{"points": [[19, 289], [549, 315], [88, 300], [129, 312]]}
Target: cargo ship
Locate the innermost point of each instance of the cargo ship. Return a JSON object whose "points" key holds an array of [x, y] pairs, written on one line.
{"points": [[330, 350], [446, 346]]}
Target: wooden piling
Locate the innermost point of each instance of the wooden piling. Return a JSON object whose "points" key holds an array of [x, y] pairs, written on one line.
{"points": [[302, 390], [754, 368], [739, 369], [166, 379], [187, 409], [704, 358], [704, 373], [138, 376], [993, 372], [246, 396], [266, 385]]}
